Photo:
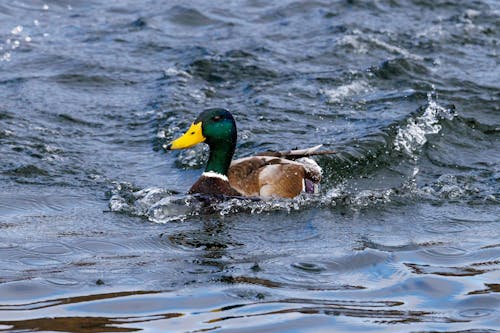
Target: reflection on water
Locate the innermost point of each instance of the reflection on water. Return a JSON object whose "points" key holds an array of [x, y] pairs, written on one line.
{"points": [[97, 235], [216, 307]]}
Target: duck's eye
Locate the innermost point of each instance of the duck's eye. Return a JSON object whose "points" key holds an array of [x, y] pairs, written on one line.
{"points": [[216, 118]]}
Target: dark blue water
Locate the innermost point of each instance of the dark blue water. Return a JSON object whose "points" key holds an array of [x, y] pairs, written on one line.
{"points": [[97, 235]]}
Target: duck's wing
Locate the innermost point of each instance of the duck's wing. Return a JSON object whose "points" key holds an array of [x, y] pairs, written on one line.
{"points": [[273, 176], [297, 153]]}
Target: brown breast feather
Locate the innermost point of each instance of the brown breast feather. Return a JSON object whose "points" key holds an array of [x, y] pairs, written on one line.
{"points": [[213, 185]]}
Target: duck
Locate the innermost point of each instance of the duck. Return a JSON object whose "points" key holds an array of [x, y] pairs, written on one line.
{"points": [[268, 174]]}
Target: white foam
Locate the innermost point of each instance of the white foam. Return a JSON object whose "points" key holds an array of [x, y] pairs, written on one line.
{"points": [[340, 93], [413, 136], [355, 42], [396, 49], [171, 71]]}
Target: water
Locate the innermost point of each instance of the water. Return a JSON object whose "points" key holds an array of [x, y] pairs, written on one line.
{"points": [[97, 235]]}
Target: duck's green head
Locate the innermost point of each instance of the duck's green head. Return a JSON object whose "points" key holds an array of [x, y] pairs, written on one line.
{"points": [[216, 127]]}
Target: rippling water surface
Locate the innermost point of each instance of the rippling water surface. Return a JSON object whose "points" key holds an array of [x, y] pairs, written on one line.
{"points": [[97, 235]]}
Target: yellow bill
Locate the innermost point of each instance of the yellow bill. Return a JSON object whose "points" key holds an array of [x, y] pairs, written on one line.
{"points": [[192, 137]]}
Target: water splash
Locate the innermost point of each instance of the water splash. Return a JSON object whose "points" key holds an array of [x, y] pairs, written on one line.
{"points": [[162, 206], [156, 204], [412, 137]]}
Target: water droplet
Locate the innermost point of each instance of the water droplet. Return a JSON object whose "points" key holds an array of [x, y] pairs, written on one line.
{"points": [[15, 44], [17, 30], [5, 57]]}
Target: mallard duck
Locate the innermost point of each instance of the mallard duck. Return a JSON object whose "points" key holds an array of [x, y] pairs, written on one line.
{"points": [[268, 174]]}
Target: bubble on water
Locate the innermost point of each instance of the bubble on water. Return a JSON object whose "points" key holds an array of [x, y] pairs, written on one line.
{"points": [[27, 39], [36, 23], [45, 7]]}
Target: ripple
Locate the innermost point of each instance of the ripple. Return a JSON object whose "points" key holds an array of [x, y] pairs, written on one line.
{"points": [[447, 227], [444, 271], [51, 249], [7, 245], [29, 290], [476, 313], [445, 252], [8, 274], [102, 247], [189, 17], [309, 267], [40, 261], [490, 288], [289, 235], [399, 66], [367, 243], [62, 281], [78, 81], [202, 240], [30, 202], [28, 171]]}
